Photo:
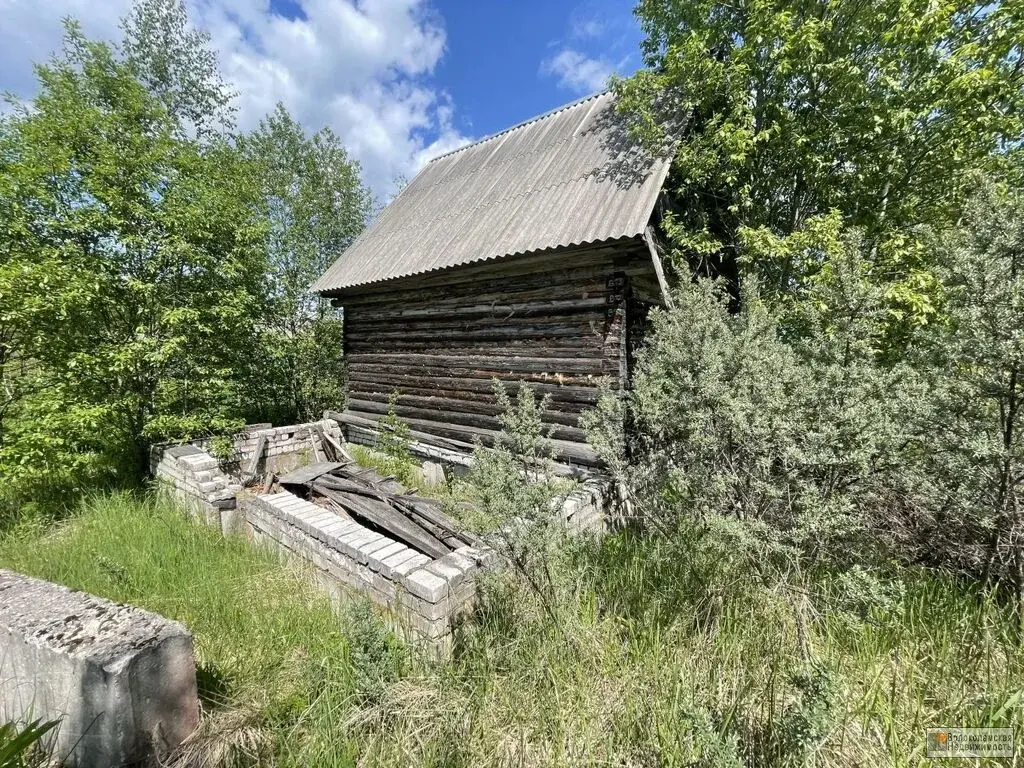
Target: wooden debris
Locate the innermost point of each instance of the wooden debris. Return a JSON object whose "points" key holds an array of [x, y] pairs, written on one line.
{"points": [[249, 476], [383, 516], [340, 453], [317, 454], [380, 503], [304, 476]]}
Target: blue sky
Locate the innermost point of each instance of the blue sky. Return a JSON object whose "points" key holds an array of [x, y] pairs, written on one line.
{"points": [[508, 60], [399, 80]]}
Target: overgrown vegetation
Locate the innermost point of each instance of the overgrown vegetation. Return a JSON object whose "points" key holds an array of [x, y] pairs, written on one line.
{"points": [[20, 745], [153, 263], [638, 651], [277, 669], [823, 549]]}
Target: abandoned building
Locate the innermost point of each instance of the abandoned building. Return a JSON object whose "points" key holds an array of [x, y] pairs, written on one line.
{"points": [[527, 256]]}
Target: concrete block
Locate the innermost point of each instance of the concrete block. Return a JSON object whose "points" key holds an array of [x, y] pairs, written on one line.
{"points": [[377, 558], [433, 473], [337, 528], [231, 521], [375, 546], [483, 557], [416, 561], [122, 680], [458, 560], [354, 542], [452, 576], [390, 564], [425, 584]]}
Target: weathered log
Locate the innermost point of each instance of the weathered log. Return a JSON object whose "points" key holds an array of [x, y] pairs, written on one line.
{"points": [[560, 412], [587, 334], [556, 265], [252, 467], [426, 438], [574, 348], [456, 369], [381, 516], [567, 318], [561, 449], [558, 430], [496, 305], [474, 388]]}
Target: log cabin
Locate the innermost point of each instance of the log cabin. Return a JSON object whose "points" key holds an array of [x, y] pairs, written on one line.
{"points": [[527, 256]]}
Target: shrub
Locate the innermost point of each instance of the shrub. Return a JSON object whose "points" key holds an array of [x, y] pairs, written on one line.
{"points": [[798, 441], [519, 489]]}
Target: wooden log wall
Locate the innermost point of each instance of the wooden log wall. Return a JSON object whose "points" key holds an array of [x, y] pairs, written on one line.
{"points": [[557, 322]]}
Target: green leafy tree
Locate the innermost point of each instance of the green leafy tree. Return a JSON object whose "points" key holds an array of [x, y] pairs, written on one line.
{"points": [[784, 111], [315, 204], [145, 253], [173, 60]]}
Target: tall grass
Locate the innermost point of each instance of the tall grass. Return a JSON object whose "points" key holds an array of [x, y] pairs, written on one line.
{"points": [[666, 652], [271, 654], [672, 655]]}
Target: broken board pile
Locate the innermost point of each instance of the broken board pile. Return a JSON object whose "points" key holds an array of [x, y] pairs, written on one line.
{"points": [[378, 503]]}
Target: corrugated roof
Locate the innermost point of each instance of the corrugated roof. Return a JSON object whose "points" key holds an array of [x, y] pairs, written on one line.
{"points": [[570, 177]]}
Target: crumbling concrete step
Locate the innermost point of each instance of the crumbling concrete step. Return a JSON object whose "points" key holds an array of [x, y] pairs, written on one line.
{"points": [[121, 680]]}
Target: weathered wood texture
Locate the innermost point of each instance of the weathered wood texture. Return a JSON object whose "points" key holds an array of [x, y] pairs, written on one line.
{"points": [[557, 322]]}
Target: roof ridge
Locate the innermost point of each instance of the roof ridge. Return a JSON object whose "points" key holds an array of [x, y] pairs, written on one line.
{"points": [[534, 119]]}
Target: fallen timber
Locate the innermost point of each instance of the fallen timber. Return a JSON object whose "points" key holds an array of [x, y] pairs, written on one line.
{"points": [[447, 436], [380, 504]]}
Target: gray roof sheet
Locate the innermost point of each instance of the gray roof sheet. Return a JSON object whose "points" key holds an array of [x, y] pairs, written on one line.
{"points": [[570, 177]]}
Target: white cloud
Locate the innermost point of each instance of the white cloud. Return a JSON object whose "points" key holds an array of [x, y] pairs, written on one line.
{"points": [[582, 27], [577, 71], [362, 67]]}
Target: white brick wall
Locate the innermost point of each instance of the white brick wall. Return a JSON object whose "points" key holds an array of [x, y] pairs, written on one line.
{"points": [[423, 595]]}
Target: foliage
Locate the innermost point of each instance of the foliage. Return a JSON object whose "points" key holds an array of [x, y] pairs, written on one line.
{"points": [[393, 440], [17, 744], [519, 492], [793, 431], [153, 267], [314, 204], [173, 62], [678, 654], [153, 243], [379, 658], [976, 460], [785, 111], [790, 446], [272, 655]]}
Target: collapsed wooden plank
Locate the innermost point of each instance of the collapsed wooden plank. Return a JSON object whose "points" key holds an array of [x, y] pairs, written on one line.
{"points": [[253, 466], [330, 445], [428, 510], [304, 476], [382, 516]]}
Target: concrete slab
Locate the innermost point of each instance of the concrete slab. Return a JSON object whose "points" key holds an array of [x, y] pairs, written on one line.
{"points": [[121, 680]]}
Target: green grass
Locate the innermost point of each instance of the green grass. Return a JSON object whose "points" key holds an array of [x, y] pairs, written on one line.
{"points": [[664, 652], [271, 654]]}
